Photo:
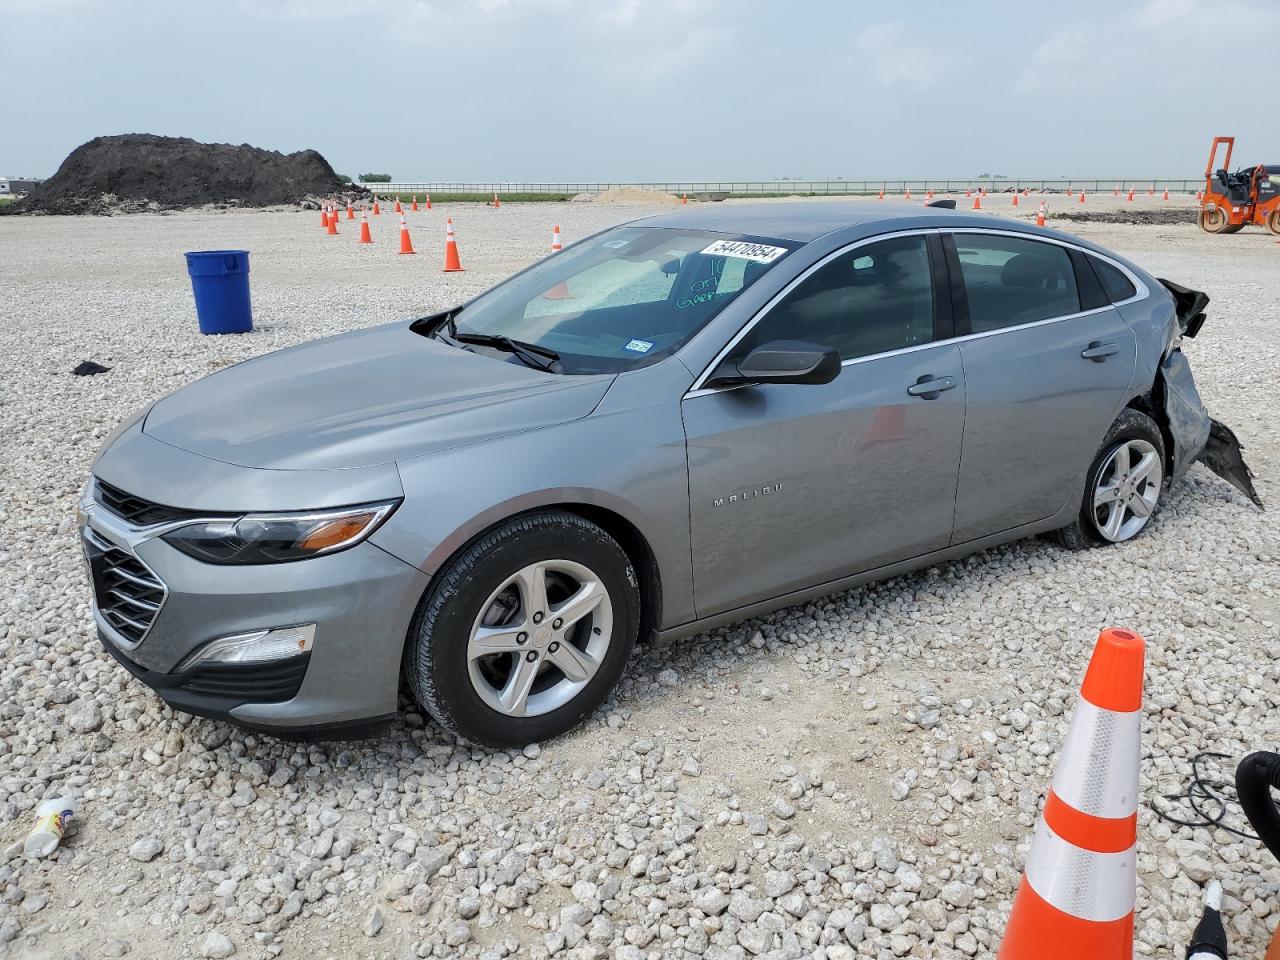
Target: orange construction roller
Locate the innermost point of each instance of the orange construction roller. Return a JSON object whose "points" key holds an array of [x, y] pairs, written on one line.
{"points": [[1040, 215], [414, 206], [406, 245], [451, 262], [1078, 888], [365, 236], [351, 214]]}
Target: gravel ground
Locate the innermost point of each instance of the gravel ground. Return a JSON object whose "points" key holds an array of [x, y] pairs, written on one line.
{"points": [[854, 777]]}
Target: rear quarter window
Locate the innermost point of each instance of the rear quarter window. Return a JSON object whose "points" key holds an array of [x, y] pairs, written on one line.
{"points": [[1114, 282]]}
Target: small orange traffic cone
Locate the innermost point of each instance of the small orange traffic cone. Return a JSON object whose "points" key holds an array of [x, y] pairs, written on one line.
{"points": [[365, 236], [428, 201], [1152, 191], [1199, 194], [1082, 196], [451, 262], [977, 201], [1040, 215], [1166, 193], [414, 206], [928, 196], [561, 290], [1078, 888], [968, 193], [406, 245], [324, 216], [333, 223], [376, 211], [1070, 192], [882, 191], [1115, 191], [496, 202], [399, 209], [556, 246], [351, 214], [684, 199], [1015, 198], [1130, 200], [907, 196]]}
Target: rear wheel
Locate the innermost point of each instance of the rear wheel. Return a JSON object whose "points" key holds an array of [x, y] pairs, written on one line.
{"points": [[1273, 221], [1214, 220], [526, 631], [1123, 487]]}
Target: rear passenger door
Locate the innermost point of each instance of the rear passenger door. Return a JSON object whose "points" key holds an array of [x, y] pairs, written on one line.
{"points": [[1048, 365]]}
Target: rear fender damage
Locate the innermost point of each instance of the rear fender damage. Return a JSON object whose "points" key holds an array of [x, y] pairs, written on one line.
{"points": [[1195, 435]]}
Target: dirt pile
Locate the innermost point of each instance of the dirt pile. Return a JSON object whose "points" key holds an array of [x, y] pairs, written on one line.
{"points": [[140, 171], [1161, 218]]}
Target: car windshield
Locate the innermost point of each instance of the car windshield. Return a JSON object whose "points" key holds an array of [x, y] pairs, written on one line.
{"points": [[623, 298]]}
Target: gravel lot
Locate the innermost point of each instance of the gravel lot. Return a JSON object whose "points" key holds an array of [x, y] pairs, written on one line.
{"points": [[855, 777]]}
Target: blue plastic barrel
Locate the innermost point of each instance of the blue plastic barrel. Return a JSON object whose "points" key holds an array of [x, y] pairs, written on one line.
{"points": [[220, 281]]}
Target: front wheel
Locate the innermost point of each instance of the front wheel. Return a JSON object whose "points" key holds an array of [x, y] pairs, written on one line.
{"points": [[525, 632], [1214, 220], [1123, 487], [1273, 221]]}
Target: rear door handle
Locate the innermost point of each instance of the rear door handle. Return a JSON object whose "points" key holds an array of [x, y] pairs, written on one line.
{"points": [[929, 387], [1097, 351]]}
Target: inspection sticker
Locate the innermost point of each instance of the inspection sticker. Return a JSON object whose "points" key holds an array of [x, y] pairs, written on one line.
{"points": [[639, 346], [759, 252]]}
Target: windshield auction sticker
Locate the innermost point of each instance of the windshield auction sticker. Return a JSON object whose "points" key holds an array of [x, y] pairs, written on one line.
{"points": [[759, 252]]}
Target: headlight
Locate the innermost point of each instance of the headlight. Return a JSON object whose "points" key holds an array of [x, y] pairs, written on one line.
{"points": [[279, 537]]}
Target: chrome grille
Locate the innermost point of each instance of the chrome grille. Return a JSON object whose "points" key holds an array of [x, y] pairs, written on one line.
{"points": [[136, 510], [127, 593]]}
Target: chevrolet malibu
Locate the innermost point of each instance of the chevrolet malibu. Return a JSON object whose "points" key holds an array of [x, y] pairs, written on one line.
{"points": [[676, 423]]}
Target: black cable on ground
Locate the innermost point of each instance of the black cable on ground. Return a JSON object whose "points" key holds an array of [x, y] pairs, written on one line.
{"points": [[1256, 776], [1210, 799]]}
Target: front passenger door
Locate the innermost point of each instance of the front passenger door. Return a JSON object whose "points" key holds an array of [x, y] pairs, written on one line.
{"points": [[796, 485]]}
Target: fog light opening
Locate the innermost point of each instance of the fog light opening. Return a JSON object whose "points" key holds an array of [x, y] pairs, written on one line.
{"points": [[259, 646]]}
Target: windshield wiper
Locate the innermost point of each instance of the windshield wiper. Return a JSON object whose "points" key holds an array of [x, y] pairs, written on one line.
{"points": [[530, 354]]}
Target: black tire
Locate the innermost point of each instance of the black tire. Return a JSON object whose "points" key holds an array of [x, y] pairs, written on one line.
{"points": [[436, 663], [1132, 424]]}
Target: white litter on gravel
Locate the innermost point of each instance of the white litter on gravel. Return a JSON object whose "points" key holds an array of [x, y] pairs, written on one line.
{"points": [[855, 777]]}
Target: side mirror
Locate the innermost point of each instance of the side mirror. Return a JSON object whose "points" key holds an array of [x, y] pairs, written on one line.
{"points": [[782, 361]]}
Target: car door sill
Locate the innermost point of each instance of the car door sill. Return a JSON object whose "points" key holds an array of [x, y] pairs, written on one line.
{"points": [[760, 607]]}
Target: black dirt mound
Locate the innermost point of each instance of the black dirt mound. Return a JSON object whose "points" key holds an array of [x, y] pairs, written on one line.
{"points": [[139, 171], [1160, 218]]}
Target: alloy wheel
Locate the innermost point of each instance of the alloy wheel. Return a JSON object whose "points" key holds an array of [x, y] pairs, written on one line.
{"points": [[540, 638], [1126, 490]]}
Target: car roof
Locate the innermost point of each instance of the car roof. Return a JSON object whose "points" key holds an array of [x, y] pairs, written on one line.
{"points": [[800, 220]]}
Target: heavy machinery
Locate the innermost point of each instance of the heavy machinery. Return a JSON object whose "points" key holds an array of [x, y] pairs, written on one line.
{"points": [[1232, 200]]}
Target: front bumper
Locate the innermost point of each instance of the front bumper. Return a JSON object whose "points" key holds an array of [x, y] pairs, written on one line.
{"points": [[361, 601]]}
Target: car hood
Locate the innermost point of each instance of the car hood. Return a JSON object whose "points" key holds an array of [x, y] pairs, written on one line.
{"points": [[363, 398]]}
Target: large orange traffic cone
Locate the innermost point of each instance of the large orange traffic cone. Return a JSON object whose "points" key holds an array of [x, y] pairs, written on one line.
{"points": [[1040, 215], [324, 216], [1078, 888], [376, 211], [365, 236], [977, 200], [414, 205], [333, 222], [406, 245], [451, 262], [351, 214]]}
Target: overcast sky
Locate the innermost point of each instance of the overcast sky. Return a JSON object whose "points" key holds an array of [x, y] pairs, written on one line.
{"points": [[653, 89]]}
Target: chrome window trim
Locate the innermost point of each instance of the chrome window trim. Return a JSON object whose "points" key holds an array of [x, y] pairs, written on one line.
{"points": [[699, 390]]}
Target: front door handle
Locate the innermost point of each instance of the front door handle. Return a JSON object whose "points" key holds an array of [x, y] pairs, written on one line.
{"points": [[930, 387], [1097, 351]]}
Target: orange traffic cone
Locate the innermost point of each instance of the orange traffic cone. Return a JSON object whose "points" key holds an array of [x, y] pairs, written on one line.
{"points": [[561, 290], [1199, 194], [977, 200], [1130, 195], [907, 196], [1082, 196], [365, 236], [333, 222], [406, 245], [1152, 191], [882, 191], [967, 193], [496, 202], [1166, 193], [1115, 191], [1070, 192], [351, 214], [376, 211], [414, 206], [451, 262], [556, 246], [399, 209], [1078, 888], [684, 199], [1040, 215], [1015, 198], [324, 216], [928, 196], [428, 201]]}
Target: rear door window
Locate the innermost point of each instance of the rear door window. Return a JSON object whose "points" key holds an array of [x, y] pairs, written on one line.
{"points": [[1010, 281], [1114, 282]]}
